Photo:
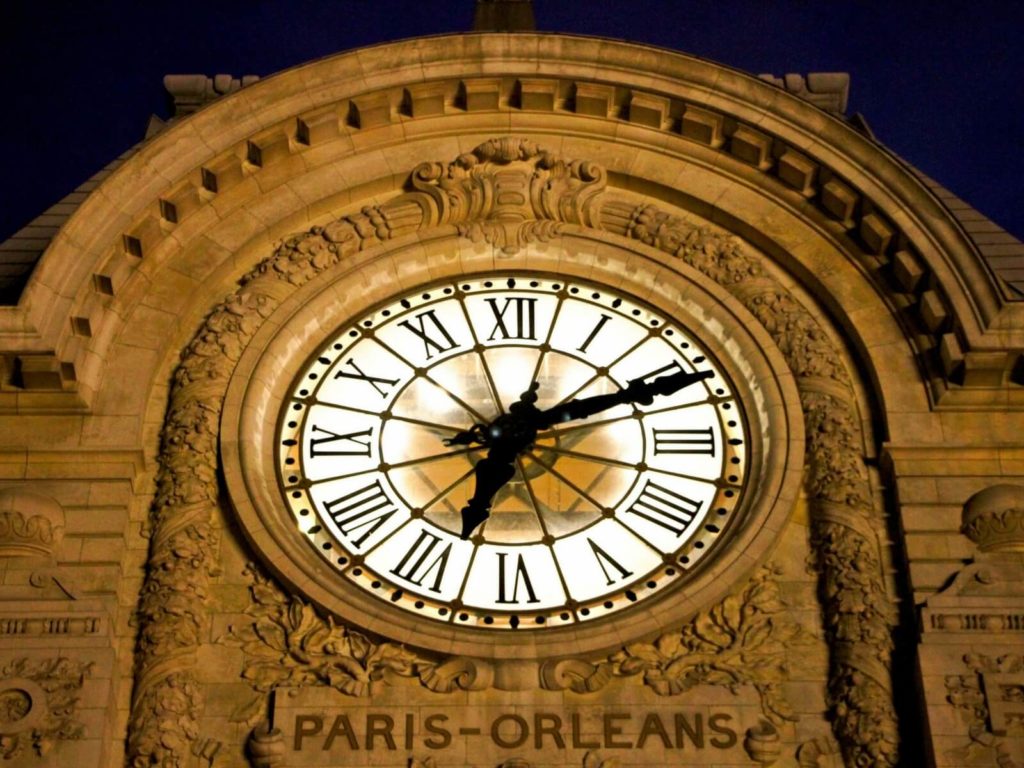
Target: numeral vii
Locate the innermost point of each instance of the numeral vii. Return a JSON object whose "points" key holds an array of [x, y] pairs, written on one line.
{"points": [[519, 324], [428, 328], [684, 441], [664, 507]]}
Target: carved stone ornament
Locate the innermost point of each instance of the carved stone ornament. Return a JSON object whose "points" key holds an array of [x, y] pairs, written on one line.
{"points": [[30, 524], [290, 644], [506, 192], [37, 705], [994, 519], [990, 700], [741, 641]]}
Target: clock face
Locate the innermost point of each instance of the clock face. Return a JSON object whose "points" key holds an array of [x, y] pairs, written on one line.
{"points": [[594, 514]]}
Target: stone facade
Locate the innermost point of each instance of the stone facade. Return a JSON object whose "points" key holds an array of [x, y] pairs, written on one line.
{"points": [[156, 612]]}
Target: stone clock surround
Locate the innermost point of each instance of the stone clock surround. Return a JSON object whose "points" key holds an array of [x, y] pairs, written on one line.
{"points": [[562, 193], [295, 329], [270, 184]]}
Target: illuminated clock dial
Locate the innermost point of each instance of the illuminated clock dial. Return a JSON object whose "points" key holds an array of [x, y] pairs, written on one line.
{"points": [[626, 468]]}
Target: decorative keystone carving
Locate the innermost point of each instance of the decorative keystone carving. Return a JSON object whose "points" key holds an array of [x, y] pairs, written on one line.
{"points": [[994, 519], [30, 524], [509, 192], [37, 704], [740, 641]]}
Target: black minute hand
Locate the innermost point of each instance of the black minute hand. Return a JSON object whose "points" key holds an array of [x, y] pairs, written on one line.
{"points": [[637, 391]]}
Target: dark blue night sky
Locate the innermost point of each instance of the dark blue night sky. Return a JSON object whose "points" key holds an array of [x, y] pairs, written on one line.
{"points": [[938, 82]]}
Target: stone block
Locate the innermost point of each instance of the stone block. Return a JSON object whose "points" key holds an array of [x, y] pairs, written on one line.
{"points": [[907, 270], [752, 147], [314, 128], [592, 99], [704, 126], [425, 99], [648, 109], [797, 171], [875, 233], [537, 94], [369, 111], [481, 94], [838, 199], [932, 311]]}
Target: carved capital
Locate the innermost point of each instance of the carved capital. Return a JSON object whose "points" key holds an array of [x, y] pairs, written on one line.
{"points": [[994, 519], [30, 524]]}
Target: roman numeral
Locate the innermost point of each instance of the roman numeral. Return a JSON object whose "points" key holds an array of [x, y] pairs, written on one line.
{"points": [[358, 509], [373, 381], [347, 445], [664, 507], [603, 559], [437, 338], [522, 320], [520, 577], [593, 334], [684, 441], [418, 570]]}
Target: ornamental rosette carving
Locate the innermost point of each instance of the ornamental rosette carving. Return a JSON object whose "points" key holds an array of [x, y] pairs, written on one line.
{"points": [[38, 699], [741, 641], [290, 644]]}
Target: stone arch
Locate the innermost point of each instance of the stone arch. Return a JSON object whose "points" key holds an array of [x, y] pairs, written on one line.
{"points": [[847, 228], [557, 193]]}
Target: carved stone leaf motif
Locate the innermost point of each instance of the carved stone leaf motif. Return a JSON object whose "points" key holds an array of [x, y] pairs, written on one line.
{"points": [[740, 641], [858, 612], [60, 679], [289, 644]]}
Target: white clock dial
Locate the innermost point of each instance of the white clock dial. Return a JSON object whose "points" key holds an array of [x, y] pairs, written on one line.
{"points": [[598, 513]]}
